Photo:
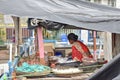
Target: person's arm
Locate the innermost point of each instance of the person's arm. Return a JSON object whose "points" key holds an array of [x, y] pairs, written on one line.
{"points": [[89, 54], [76, 59]]}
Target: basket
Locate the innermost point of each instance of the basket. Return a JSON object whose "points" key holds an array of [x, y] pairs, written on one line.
{"points": [[33, 74], [68, 74]]}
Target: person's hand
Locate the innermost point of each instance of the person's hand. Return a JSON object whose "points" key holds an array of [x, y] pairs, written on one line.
{"points": [[90, 56], [87, 55], [76, 59]]}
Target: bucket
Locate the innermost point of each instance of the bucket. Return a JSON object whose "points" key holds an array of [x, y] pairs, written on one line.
{"points": [[64, 38]]}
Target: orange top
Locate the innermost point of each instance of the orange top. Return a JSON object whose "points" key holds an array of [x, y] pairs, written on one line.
{"points": [[79, 50]]}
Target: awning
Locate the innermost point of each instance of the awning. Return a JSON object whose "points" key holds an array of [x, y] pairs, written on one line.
{"points": [[73, 12]]}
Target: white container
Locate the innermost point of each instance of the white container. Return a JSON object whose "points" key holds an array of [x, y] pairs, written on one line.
{"points": [[4, 68]]}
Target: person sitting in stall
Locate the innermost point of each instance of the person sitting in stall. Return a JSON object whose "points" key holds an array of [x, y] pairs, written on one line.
{"points": [[79, 49]]}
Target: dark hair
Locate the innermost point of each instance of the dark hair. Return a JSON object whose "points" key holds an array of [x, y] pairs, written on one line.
{"points": [[72, 36]]}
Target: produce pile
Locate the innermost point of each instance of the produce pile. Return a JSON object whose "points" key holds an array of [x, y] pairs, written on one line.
{"points": [[32, 68], [66, 70]]}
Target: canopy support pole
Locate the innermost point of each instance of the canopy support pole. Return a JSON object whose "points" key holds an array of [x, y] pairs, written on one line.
{"points": [[107, 46], [94, 44], [17, 34], [40, 45]]}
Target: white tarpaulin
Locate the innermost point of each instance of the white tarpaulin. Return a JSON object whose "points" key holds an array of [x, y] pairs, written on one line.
{"points": [[73, 12]]}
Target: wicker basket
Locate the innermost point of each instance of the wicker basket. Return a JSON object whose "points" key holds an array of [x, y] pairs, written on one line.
{"points": [[68, 73], [33, 74]]}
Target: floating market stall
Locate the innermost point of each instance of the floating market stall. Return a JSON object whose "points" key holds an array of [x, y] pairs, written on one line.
{"points": [[77, 13]]}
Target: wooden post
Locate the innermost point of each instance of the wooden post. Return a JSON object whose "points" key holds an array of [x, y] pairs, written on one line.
{"points": [[115, 44], [40, 45], [94, 44], [18, 34], [107, 46]]}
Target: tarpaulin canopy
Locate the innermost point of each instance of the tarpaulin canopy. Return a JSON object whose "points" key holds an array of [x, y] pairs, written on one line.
{"points": [[73, 12]]}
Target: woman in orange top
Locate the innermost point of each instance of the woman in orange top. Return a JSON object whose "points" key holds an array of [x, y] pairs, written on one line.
{"points": [[79, 50]]}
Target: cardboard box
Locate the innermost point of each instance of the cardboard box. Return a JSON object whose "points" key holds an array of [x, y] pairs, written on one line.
{"points": [[49, 49]]}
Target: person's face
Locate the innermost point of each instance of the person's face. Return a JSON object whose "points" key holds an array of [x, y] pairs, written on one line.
{"points": [[71, 41]]}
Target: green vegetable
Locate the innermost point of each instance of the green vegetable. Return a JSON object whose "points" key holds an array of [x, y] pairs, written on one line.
{"points": [[32, 68]]}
